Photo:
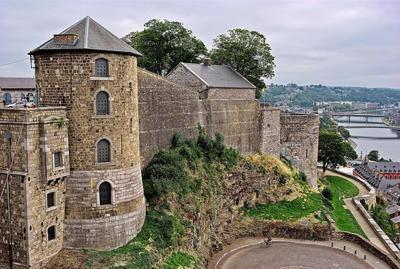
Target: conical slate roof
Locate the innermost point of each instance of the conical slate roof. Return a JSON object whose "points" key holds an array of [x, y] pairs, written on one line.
{"points": [[87, 35]]}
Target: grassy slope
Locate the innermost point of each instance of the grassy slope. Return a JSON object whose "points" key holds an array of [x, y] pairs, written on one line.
{"points": [[341, 189], [311, 202]]}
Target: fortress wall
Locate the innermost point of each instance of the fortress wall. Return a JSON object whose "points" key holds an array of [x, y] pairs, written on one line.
{"points": [[270, 128], [69, 78], [232, 94], [166, 108], [236, 120], [299, 142], [35, 135]]}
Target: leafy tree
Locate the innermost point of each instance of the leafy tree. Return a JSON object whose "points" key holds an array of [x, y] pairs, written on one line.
{"points": [[373, 155], [330, 150], [382, 218], [164, 44], [349, 152], [344, 132], [247, 52]]}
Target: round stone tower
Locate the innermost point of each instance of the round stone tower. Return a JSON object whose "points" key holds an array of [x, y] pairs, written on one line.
{"points": [[94, 74]]}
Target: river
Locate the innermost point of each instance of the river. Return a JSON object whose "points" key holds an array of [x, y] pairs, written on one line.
{"points": [[388, 149]]}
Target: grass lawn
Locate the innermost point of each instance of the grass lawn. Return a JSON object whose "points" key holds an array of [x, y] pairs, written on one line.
{"points": [[341, 188], [288, 210], [312, 202]]}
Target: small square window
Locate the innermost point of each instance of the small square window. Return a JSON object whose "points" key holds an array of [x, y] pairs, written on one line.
{"points": [[51, 199], [58, 161], [51, 233]]}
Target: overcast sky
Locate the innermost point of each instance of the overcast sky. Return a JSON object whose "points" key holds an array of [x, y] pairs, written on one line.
{"points": [[332, 42]]}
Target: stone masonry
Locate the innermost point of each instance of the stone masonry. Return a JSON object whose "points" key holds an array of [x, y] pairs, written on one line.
{"points": [[68, 77], [299, 142], [56, 176], [35, 135]]}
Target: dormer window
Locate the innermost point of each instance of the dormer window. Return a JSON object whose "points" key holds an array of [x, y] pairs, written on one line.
{"points": [[101, 67]]}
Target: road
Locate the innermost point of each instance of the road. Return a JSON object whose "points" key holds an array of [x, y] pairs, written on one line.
{"points": [[289, 253]]}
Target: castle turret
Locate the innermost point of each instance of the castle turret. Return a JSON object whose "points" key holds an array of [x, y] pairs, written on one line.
{"points": [[93, 74]]}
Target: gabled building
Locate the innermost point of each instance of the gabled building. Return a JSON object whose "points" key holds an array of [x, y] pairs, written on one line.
{"points": [[213, 81], [13, 89]]}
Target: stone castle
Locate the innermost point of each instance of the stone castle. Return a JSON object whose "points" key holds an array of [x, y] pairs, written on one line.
{"points": [[70, 170]]}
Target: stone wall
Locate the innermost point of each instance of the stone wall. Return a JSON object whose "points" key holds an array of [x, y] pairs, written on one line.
{"points": [[182, 76], [231, 94], [270, 131], [166, 108], [299, 142], [68, 78], [35, 135]]}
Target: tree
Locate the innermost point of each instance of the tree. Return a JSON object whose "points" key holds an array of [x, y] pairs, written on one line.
{"points": [[164, 44], [344, 132], [330, 150], [248, 53], [349, 152], [373, 155]]}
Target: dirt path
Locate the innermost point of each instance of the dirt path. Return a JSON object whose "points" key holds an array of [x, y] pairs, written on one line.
{"points": [[357, 215]]}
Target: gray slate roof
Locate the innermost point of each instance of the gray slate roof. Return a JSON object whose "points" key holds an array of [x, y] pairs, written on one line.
{"points": [[219, 76], [91, 36], [17, 83], [384, 166]]}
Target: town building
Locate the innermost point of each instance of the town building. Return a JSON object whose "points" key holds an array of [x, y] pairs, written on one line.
{"points": [[70, 169], [381, 175], [14, 90]]}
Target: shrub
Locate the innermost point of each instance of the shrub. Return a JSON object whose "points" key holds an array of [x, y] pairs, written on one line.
{"points": [[179, 260], [301, 176], [327, 193]]}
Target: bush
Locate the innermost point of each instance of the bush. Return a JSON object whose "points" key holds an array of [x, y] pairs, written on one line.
{"points": [[327, 193], [179, 260], [383, 219], [301, 176]]}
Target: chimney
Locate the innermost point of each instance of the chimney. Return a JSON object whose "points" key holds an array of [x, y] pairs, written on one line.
{"points": [[207, 61], [65, 39]]}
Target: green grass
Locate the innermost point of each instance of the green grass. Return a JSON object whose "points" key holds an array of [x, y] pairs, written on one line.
{"points": [[179, 260], [341, 189], [312, 202], [288, 210]]}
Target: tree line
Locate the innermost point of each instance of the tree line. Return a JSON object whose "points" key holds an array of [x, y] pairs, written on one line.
{"points": [[164, 44]]}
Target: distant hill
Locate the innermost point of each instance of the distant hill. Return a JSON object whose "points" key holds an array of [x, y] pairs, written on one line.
{"points": [[307, 96]]}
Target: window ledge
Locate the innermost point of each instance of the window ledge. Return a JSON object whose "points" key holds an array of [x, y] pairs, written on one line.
{"points": [[105, 163], [103, 117], [58, 168], [101, 78], [49, 209]]}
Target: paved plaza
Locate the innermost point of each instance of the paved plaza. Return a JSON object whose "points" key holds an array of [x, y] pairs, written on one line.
{"points": [[297, 255]]}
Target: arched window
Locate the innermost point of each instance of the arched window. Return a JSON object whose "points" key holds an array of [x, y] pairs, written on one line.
{"points": [[105, 193], [7, 98], [103, 151], [101, 67], [102, 103]]}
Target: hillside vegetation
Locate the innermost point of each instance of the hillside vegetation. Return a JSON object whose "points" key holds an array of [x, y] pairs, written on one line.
{"points": [[194, 189], [307, 96]]}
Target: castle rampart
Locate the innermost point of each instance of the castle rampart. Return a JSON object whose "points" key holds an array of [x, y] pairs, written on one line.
{"points": [[299, 142]]}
